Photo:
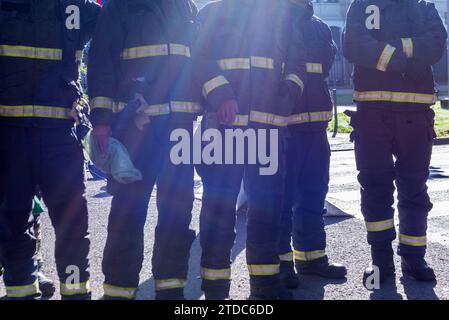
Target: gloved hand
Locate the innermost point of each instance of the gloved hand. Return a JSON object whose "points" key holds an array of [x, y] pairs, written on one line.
{"points": [[101, 135], [227, 111]]}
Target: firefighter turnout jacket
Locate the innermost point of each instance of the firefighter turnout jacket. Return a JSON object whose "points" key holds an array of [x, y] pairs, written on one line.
{"points": [[144, 47], [253, 46], [393, 44], [41, 46], [315, 108]]}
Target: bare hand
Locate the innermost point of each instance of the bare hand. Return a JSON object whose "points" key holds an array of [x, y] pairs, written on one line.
{"points": [[227, 112], [101, 135]]}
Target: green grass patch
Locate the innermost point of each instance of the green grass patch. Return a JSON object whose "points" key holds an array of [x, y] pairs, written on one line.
{"points": [[441, 122]]}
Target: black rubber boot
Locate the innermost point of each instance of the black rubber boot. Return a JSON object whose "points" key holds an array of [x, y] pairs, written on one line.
{"points": [[382, 257], [216, 290], [46, 286], [289, 279], [417, 268], [277, 292], [170, 294], [321, 267], [86, 296]]}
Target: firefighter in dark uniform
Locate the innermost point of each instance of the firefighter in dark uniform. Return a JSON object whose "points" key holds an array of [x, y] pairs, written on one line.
{"points": [[393, 45], [308, 158], [258, 52], [143, 49], [40, 53]]}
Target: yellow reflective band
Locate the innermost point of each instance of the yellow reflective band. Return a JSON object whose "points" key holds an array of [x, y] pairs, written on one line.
{"points": [[102, 103], [79, 55], [22, 291], [385, 58], [145, 52], [186, 107], [170, 284], [412, 240], [268, 118], [407, 47], [262, 62], [76, 288], [30, 52], [240, 120], [215, 274], [309, 255], [154, 110], [119, 292], [263, 269], [213, 84], [179, 49], [293, 77], [35, 111], [234, 64], [314, 67], [288, 257], [403, 97], [378, 226], [307, 117]]}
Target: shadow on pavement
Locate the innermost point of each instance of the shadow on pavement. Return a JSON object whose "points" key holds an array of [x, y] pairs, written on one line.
{"points": [[313, 287], [416, 290], [437, 173], [387, 291]]}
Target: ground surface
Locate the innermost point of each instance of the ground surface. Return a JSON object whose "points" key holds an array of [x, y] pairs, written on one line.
{"points": [[346, 241]]}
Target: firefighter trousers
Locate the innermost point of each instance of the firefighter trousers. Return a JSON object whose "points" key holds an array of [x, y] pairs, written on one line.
{"points": [[222, 184], [394, 148], [51, 159], [124, 251], [306, 187]]}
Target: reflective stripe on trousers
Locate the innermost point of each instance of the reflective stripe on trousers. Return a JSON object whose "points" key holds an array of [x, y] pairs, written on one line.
{"points": [[119, 292]]}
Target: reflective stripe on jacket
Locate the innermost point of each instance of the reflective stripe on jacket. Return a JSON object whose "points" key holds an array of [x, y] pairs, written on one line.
{"points": [[393, 62], [39, 61]]}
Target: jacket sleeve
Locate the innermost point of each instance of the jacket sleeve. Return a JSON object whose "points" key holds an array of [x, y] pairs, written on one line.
{"points": [[90, 11], [207, 74], [104, 55], [360, 48], [295, 72], [417, 48]]}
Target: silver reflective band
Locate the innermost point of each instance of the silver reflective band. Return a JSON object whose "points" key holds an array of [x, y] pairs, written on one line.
{"points": [[385, 58], [404, 97], [263, 269], [170, 284], [287, 257], [412, 240], [145, 51], [35, 111], [378, 226], [309, 255], [79, 55], [102, 103], [154, 109], [22, 291], [262, 62], [234, 64], [179, 49], [241, 120], [215, 274], [268, 118], [407, 47], [213, 84], [294, 78], [74, 289], [185, 106], [314, 67], [119, 292], [30, 52], [306, 117]]}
